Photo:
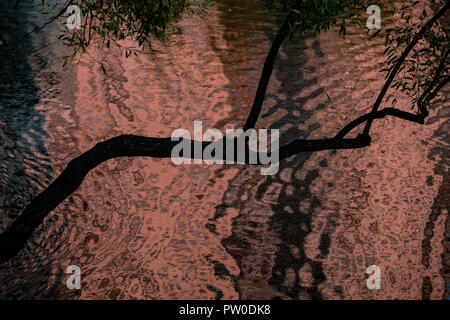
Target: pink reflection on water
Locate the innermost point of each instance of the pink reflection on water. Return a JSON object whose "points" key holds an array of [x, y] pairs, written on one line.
{"points": [[144, 228]]}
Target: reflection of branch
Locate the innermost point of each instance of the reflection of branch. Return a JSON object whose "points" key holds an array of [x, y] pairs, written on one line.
{"points": [[400, 61]]}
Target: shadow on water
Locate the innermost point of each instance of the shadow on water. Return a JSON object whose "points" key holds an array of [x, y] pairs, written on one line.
{"points": [[25, 165], [292, 221], [440, 205], [283, 232], [264, 265]]}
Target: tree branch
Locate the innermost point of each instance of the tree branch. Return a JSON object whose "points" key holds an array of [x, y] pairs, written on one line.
{"points": [[16, 236], [400, 61], [418, 118], [267, 71]]}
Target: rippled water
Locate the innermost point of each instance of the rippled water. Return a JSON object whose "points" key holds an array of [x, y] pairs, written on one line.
{"points": [[147, 229]]}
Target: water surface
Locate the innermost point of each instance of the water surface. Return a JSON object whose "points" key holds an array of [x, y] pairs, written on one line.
{"points": [[143, 228]]}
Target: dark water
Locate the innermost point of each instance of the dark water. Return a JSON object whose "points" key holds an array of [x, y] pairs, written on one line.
{"points": [[147, 229]]}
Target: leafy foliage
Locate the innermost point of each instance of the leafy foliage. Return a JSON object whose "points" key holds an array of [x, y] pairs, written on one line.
{"points": [[110, 21], [427, 67]]}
